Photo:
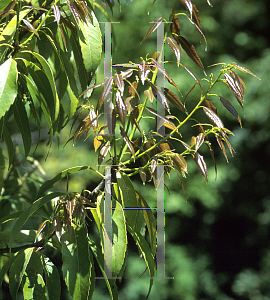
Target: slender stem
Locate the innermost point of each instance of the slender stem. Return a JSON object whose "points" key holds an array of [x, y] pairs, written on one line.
{"points": [[186, 119]]}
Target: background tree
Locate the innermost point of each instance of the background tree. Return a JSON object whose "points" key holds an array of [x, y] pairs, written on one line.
{"points": [[22, 188]]}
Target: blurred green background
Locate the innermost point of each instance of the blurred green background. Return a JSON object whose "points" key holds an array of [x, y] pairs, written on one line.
{"points": [[218, 240]]}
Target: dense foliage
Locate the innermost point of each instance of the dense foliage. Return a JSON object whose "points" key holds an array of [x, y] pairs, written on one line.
{"points": [[49, 54]]}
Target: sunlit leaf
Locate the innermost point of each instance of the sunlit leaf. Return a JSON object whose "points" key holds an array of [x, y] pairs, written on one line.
{"points": [[157, 22], [149, 94], [231, 109], [126, 74], [127, 141], [201, 164], [142, 175], [174, 100], [134, 120], [180, 163], [175, 48], [57, 15], [119, 82], [175, 27], [8, 85], [105, 91], [103, 151], [190, 50], [144, 70], [188, 4], [213, 117], [121, 108], [210, 105], [231, 84], [243, 69], [30, 27]]}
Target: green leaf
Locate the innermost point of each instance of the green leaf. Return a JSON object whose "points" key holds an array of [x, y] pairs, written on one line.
{"points": [[111, 284], [24, 236], [17, 270], [52, 277], [49, 183], [8, 85], [76, 262], [2, 168], [4, 268], [29, 212], [9, 144], [4, 4], [150, 221], [146, 252], [91, 43], [21, 119], [119, 237], [127, 198], [34, 285]]}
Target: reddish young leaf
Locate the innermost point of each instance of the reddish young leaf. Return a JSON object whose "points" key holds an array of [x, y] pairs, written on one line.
{"points": [[201, 164], [243, 69], [213, 117], [199, 29], [105, 91], [165, 120], [134, 119], [132, 89], [131, 103], [190, 50], [180, 163], [144, 70], [157, 22], [221, 145], [74, 12], [188, 4], [121, 108], [174, 100], [159, 95], [175, 48], [210, 105], [175, 27], [231, 109], [237, 93], [127, 141], [103, 152], [149, 94], [119, 82]]}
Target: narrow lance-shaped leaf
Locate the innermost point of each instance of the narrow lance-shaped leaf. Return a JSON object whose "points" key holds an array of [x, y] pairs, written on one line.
{"points": [[213, 117], [201, 164], [200, 31], [166, 121], [30, 27], [164, 72], [8, 85], [190, 50], [175, 100], [103, 151], [121, 108], [210, 105], [127, 141], [175, 27], [144, 70], [57, 15], [157, 22], [175, 48], [119, 82], [188, 4], [105, 92], [180, 163], [245, 70], [237, 93], [159, 95], [231, 109]]}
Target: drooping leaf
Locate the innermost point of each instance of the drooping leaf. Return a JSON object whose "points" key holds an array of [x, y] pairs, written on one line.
{"points": [[175, 48], [180, 163], [119, 239], [146, 252], [213, 117], [175, 27], [9, 144], [17, 270], [127, 141], [157, 22], [30, 27], [236, 91], [159, 95], [190, 50], [21, 119], [144, 70], [121, 108], [245, 70], [174, 100], [230, 108], [198, 158], [134, 119], [29, 212], [103, 151], [49, 183], [105, 92], [165, 120], [76, 262], [199, 28], [210, 105], [8, 85], [118, 79], [188, 4], [57, 16], [91, 43]]}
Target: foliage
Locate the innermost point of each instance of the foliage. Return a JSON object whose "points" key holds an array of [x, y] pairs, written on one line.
{"points": [[49, 52]]}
